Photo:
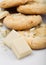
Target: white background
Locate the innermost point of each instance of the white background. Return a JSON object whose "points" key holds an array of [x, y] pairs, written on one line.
{"points": [[7, 57]]}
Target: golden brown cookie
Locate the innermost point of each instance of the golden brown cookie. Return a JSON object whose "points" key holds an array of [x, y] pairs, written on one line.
{"points": [[36, 37], [38, 43], [32, 8], [12, 3], [40, 1], [22, 22]]}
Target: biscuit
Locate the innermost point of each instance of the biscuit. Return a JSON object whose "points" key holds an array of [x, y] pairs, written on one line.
{"points": [[32, 8], [40, 1], [36, 37], [12, 3], [38, 43], [22, 22], [3, 14]]}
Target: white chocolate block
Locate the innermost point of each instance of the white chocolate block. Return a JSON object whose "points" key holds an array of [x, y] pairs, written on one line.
{"points": [[10, 38], [17, 43]]}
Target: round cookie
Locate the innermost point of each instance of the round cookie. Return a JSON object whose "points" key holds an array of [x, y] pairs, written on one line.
{"points": [[12, 3], [32, 8], [22, 22], [36, 38]]}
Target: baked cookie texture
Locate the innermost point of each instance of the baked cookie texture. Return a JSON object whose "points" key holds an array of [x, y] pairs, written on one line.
{"points": [[12, 3], [38, 43], [32, 8], [36, 38], [22, 22], [40, 1]]}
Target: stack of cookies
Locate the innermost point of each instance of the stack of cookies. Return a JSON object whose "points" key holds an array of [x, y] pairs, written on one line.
{"points": [[26, 20]]}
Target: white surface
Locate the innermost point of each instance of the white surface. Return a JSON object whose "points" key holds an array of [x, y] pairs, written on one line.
{"points": [[7, 57]]}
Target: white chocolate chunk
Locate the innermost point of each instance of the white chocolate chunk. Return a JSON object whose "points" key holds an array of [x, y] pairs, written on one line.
{"points": [[3, 14], [17, 43]]}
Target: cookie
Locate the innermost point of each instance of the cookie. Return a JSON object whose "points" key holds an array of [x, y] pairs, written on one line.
{"points": [[32, 8], [22, 22], [12, 3], [40, 1], [36, 37], [38, 43], [3, 14]]}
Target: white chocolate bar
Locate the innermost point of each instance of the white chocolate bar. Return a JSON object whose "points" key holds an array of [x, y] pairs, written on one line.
{"points": [[17, 43]]}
